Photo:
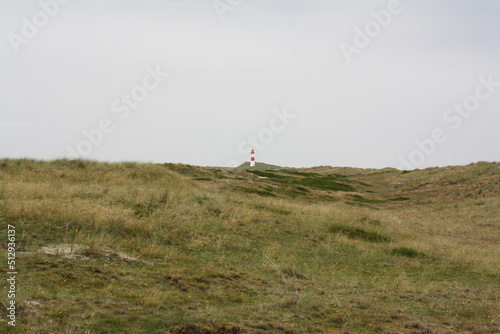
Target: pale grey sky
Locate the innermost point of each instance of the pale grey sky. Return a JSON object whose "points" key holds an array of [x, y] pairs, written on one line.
{"points": [[229, 78]]}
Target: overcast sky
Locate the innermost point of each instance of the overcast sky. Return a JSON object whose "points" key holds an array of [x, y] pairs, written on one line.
{"points": [[234, 65]]}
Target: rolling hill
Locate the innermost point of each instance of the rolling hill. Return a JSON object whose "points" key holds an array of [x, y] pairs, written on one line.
{"points": [[172, 248]]}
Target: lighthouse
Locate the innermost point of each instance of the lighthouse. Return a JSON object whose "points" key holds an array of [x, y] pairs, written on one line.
{"points": [[252, 158]]}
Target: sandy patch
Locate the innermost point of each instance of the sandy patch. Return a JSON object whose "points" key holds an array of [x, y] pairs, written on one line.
{"points": [[77, 251]]}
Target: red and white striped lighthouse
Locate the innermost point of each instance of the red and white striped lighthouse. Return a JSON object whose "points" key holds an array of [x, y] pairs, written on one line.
{"points": [[252, 158]]}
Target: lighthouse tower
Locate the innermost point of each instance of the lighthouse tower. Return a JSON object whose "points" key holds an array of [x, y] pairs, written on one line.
{"points": [[252, 158]]}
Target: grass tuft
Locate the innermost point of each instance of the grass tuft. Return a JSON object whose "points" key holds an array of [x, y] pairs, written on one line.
{"points": [[407, 252], [357, 233]]}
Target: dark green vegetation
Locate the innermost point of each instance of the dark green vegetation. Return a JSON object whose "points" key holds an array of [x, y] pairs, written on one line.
{"points": [[311, 180], [172, 248], [408, 252], [361, 199], [260, 166], [357, 233]]}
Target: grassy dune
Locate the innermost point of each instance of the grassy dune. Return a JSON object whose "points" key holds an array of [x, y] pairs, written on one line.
{"points": [[150, 248]]}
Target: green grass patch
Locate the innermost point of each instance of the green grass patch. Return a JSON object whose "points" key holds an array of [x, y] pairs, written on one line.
{"points": [[145, 209], [272, 209], [263, 193], [361, 199], [362, 183], [357, 233], [319, 182], [324, 184], [298, 173], [399, 199], [329, 198], [361, 205], [302, 189], [407, 252]]}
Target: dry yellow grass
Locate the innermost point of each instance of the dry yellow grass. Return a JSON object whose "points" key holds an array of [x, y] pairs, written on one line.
{"points": [[400, 253]]}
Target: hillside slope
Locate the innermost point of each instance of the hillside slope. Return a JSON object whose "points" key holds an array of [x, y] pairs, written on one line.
{"points": [[259, 166], [150, 248]]}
